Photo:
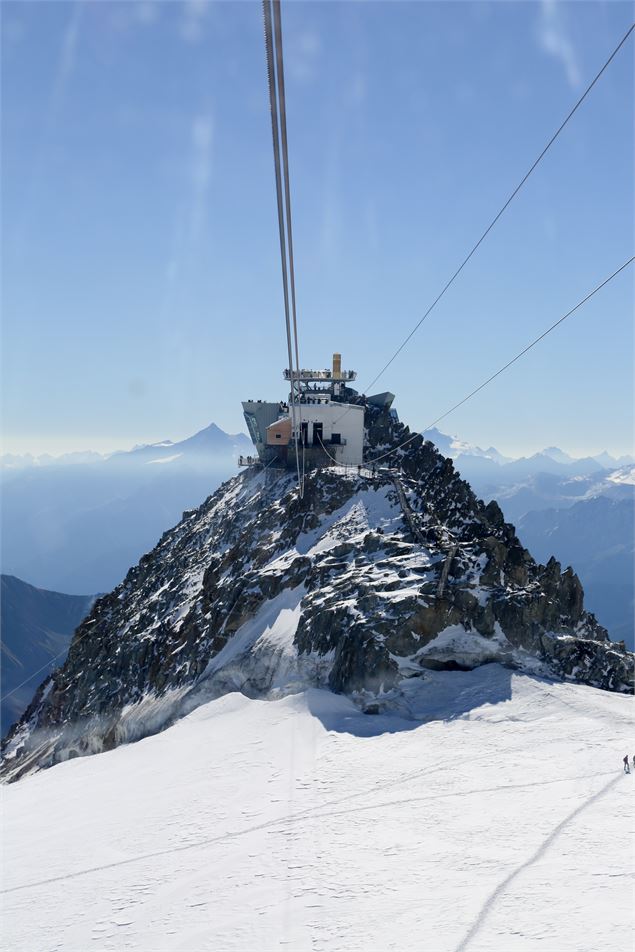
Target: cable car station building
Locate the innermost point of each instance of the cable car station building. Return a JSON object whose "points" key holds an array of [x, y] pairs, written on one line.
{"points": [[329, 428]]}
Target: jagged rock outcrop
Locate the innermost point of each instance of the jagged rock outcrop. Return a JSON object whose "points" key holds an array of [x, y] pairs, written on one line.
{"points": [[364, 580]]}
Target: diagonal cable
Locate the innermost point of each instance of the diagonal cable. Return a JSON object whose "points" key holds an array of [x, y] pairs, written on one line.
{"points": [[509, 362], [504, 207]]}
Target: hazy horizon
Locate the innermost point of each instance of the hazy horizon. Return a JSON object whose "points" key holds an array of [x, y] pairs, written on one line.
{"points": [[107, 446]]}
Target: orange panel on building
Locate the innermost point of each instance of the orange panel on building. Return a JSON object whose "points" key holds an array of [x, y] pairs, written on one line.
{"points": [[279, 433]]}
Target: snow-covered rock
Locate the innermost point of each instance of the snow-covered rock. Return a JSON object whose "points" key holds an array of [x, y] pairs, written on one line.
{"points": [[359, 584]]}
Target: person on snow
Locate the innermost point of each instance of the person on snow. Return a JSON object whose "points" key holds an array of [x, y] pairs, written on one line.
{"points": [[626, 767]]}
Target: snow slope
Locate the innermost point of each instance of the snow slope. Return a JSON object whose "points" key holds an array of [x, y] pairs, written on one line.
{"points": [[499, 819]]}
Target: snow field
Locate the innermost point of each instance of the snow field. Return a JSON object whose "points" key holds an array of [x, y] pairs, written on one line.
{"points": [[501, 820]]}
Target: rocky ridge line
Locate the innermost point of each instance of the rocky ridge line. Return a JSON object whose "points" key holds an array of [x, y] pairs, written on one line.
{"points": [[263, 592]]}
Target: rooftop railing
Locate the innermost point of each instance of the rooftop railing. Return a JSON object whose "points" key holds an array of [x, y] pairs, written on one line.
{"points": [[319, 375]]}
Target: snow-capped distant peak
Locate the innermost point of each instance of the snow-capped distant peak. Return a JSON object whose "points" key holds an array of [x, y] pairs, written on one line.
{"points": [[623, 477], [148, 446], [453, 447], [611, 462], [164, 459], [554, 453]]}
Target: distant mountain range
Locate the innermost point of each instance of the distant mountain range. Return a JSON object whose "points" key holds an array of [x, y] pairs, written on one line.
{"points": [[76, 524], [543, 461], [211, 440], [36, 627], [580, 510], [596, 536]]}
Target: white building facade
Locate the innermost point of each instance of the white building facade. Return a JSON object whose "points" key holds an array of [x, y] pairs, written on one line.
{"points": [[337, 429], [328, 428]]}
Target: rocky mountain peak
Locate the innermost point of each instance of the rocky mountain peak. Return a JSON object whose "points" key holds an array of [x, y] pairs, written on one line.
{"points": [[363, 581]]}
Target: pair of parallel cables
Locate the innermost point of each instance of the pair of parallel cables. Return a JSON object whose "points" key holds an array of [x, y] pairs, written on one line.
{"points": [[478, 243], [497, 373], [277, 102]]}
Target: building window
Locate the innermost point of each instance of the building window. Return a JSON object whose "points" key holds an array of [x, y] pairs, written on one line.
{"points": [[336, 438]]}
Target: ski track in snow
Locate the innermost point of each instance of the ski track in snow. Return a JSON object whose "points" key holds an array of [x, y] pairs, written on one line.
{"points": [[306, 815], [268, 825], [542, 849]]}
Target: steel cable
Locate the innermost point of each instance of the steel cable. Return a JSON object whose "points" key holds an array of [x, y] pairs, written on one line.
{"points": [[508, 364], [504, 207], [285, 165], [276, 133]]}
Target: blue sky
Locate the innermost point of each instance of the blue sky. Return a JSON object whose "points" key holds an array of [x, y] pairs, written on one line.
{"points": [[142, 293]]}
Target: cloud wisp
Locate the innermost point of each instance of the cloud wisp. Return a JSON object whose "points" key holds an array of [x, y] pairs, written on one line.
{"points": [[200, 172], [555, 40], [192, 24]]}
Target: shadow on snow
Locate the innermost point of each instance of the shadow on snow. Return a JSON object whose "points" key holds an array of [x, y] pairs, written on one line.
{"points": [[434, 696]]}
